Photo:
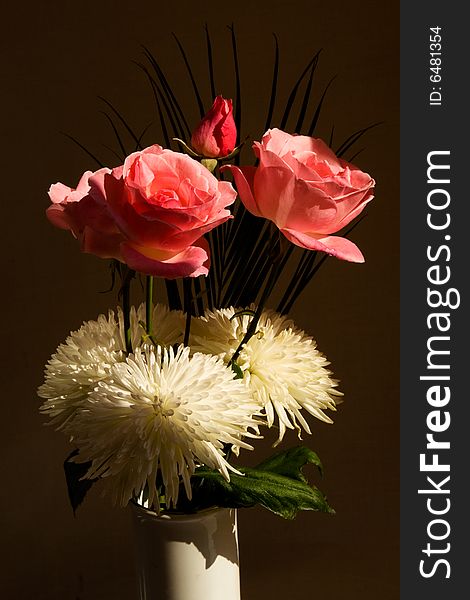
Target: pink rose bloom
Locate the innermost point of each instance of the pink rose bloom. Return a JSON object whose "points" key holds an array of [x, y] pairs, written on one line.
{"points": [[163, 202], [84, 212], [306, 190], [216, 134]]}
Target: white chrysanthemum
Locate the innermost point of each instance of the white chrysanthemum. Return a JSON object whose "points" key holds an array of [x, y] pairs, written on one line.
{"points": [[281, 364], [161, 411], [87, 355]]}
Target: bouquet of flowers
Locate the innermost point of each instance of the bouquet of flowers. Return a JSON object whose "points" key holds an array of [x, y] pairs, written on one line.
{"points": [[157, 397]]}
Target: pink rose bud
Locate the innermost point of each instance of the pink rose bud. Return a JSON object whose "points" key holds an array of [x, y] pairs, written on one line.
{"points": [[216, 134]]}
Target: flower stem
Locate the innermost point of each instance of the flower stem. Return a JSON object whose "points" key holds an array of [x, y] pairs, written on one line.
{"points": [[126, 308], [149, 304], [273, 276], [187, 289]]}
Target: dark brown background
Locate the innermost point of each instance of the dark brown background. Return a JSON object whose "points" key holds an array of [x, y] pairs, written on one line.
{"points": [[57, 58]]}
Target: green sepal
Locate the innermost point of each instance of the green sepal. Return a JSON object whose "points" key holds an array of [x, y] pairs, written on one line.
{"points": [[209, 163]]}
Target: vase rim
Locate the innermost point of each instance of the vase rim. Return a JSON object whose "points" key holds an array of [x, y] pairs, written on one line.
{"points": [[178, 516]]}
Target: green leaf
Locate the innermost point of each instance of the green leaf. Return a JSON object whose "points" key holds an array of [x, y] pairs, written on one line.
{"points": [[281, 495], [76, 486], [237, 370], [277, 484], [290, 462]]}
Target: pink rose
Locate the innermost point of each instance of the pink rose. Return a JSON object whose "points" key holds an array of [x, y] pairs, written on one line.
{"points": [[84, 212], [305, 190], [163, 202], [216, 134]]}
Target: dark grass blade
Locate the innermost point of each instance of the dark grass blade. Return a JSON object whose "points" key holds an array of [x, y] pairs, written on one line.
{"points": [[209, 292], [234, 225], [332, 135], [356, 154], [216, 268], [191, 76], [210, 63], [301, 269], [212, 276], [170, 111], [116, 134], [170, 122], [250, 242], [141, 136], [84, 148], [313, 268], [165, 104], [219, 234], [188, 307], [120, 157], [200, 295], [295, 89], [238, 98], [181, 119], [263, 275], [246, 235], [353, 138], [303, 284], [306, 98], [170, 95], [317, 112], [249, 265], [305, 266], [272, 100], [161, 118], [247, 289], [121, 118], [173, 294]]}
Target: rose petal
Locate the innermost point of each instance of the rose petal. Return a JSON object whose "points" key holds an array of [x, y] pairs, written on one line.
{"points": [[104, 246], [57, 216], [191, 262], [274, 193], [339, 247], [244, 180], [58, 193], [310, 209]]}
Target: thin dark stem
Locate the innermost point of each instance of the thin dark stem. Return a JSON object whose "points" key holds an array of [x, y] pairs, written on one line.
{"points": [[301, 269], [149, 304], [255, 320], [173, 294], [272, 100], [80, 145], [238, 106], [303, 284], [191, 76], [210, 62], [187, 290], [126, 308]]}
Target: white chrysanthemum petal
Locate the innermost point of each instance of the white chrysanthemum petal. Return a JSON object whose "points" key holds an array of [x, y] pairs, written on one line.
{"points": [[85, 358], [281, 364], [161, 410]]}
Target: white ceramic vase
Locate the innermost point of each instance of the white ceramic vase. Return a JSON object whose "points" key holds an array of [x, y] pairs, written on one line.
{"points": [[187, 557]]}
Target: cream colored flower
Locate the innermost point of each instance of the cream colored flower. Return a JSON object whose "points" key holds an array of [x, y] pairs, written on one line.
{"points": [[281, 364], [88, 354], [166, 412]]}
